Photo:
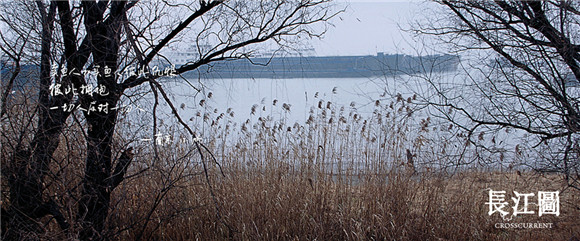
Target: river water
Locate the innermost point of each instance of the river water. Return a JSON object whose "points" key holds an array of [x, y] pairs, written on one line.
{"points": [[291, 100], [297, 95]]}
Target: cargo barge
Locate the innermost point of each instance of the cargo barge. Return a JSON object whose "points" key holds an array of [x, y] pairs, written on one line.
{"points": [[327, 66]]}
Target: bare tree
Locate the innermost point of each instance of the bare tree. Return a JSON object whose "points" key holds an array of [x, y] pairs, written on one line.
{"points": [[111, 38], [521, 73]]}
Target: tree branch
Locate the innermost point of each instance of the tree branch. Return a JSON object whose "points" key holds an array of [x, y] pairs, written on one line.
{"points": [[120, 170]]}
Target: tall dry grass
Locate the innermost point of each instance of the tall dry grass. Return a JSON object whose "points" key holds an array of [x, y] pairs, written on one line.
{"points": [[341, 175]]}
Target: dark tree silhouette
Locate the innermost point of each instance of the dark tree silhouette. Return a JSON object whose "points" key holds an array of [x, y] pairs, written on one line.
{"points": [[110, 36]]}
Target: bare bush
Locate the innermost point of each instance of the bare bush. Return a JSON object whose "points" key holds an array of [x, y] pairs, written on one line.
{"points": [[520, 75]]}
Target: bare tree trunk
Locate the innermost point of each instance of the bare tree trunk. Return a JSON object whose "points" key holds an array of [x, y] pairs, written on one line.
{"points": [[96, 195], [31, 166], [97, 183]]}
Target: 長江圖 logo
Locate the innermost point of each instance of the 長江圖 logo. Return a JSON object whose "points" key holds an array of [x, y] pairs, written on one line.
{"points": [[548, 203]]}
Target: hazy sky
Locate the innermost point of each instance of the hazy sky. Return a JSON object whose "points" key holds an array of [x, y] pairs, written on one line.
{"points": [[368, 27]]}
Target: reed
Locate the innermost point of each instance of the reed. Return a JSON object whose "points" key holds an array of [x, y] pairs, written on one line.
{"points": [[340, 175]]}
